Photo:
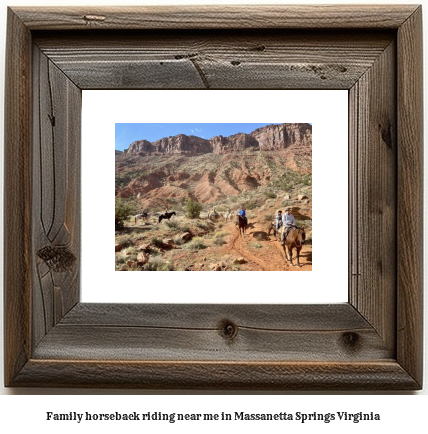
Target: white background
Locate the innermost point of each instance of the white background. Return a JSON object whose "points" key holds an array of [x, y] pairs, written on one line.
{"points": [[398, 412], [326, 110]]}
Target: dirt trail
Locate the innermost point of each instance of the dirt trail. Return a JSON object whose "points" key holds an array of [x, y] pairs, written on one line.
{"points": [[263, 252]]}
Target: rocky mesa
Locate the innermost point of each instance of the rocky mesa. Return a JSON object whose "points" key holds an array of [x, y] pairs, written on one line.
{"points": [[269, 138]]}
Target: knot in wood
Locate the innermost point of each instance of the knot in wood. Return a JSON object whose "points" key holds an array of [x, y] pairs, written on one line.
{"points": [[58, 259], [351, 340], [228, 330]]}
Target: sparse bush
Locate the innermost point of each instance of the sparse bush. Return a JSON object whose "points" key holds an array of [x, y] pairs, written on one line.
{"points": [[257, 245], [185, 228], [202, 225], [120, 259], [252, 204], [126, 242], [157, 242], [193, 209], [197, 243], [158, 264], [172, 224], [178, 240], [219, 240], [270, 194]]}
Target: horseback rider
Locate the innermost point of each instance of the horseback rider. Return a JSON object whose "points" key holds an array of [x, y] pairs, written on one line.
{"points": [[288, 221], [241, 212], [278, 220]]}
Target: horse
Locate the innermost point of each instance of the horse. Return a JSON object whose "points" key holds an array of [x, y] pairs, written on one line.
{"points": [[144, 216], [272, 227], [213, 215], [295, 239], [227, 215], [242, 225], [166, 216]]}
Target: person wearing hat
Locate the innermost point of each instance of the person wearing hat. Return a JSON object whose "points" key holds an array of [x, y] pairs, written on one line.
{"points": [[288, 222]]}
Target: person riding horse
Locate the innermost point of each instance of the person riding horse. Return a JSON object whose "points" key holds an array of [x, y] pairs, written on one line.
{"points": [[278, 220], [241, 213], [288, 222]]}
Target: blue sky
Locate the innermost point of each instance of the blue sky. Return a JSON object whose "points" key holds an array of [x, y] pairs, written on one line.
{"points": [[128, 133]]}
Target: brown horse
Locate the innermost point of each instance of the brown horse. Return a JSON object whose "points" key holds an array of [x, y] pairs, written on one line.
{"points": [[295, 239], [242, 225]]}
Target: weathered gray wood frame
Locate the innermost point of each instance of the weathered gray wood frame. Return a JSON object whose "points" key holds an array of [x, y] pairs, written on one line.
{"points": [[372, 342]]}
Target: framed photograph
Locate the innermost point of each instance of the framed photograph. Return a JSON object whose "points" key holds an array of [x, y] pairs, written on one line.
{"points": [[274, 171], [372, 340]]}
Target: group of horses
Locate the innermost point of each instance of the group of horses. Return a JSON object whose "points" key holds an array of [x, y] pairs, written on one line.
{"points": [[145, 216], [214, 215], [293, 240]]}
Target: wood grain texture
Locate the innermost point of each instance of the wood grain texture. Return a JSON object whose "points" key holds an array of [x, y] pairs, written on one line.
{"points": [[373, 173], [17, 198], [386, 375], [217, 17], [198, 332], [372, 342], [410, 196], [216, 59], [55, 193]]}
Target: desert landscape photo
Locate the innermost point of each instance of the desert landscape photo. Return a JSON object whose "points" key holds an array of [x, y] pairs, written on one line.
{"points": [[179, 190]]}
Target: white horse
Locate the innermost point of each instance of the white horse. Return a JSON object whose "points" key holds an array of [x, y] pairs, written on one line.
{"points": [[227, 215]]}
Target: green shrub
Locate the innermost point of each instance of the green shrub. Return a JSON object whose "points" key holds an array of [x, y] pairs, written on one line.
{"points": [[197, 243], [172, 224], [122, 212], [193, 209]]}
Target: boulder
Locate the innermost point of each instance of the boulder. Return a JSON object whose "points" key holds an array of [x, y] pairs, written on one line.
{"points": [[302, 197], [144, 247], [117, 247], [240, 261], [186, 236]]}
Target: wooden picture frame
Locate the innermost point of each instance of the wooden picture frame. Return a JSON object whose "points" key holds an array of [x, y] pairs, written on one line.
{"points": [[372, 342]]}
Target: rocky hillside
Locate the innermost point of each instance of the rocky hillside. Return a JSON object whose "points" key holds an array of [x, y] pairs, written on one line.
{"points": [[173, 169]]}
